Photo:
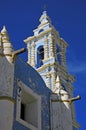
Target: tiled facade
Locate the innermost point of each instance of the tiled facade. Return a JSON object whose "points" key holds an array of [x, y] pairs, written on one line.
{"points": [[26, 77]]}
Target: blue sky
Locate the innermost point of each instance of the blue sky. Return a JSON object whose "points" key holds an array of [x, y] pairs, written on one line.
{"points": [[21, 17]]}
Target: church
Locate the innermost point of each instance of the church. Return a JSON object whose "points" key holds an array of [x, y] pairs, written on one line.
{"points": [[37, 95]]}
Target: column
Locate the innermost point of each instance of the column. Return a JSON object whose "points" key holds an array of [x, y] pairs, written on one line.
{"points": [[48, 80], [63, 56], [46, 50], [55, 49], [53, 80], [51, 46], [33, 54], [29, 54]]}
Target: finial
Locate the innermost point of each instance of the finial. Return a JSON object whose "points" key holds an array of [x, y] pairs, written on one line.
{"points": [[4, 30], [44, 18], [44, 9], [57, 79], [5, 36], [44, 12]]}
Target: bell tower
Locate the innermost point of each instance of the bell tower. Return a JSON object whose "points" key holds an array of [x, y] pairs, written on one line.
{"points": [[46, 51], [47, 54]]}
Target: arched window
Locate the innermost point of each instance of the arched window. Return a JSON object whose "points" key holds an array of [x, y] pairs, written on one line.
{"points": [[40, 56], [41, 30]]}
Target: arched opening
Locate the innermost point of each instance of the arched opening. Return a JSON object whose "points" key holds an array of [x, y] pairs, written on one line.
{"points": [[59, 57], [41, 30], [40, 56]]}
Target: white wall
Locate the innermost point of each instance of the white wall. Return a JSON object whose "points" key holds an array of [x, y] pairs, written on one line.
{"points": [[6, 114]]}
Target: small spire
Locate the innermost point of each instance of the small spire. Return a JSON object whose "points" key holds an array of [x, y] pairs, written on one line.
{"points": [[5, 36], [57, 79], [44, 12], [44, 18], [58, 85], [4, 30], [7, 46]]}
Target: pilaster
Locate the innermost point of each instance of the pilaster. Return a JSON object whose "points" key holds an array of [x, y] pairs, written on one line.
{"points": [[63, 56], [48, 80], [54, 46], [29, 54], [46, 49], [33, 54], [53, 75], [51, 46]]}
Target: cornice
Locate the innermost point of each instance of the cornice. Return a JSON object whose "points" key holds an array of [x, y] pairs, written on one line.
{"points": [[52, 29], [38, 36], [41, 25], [44, 67]]}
